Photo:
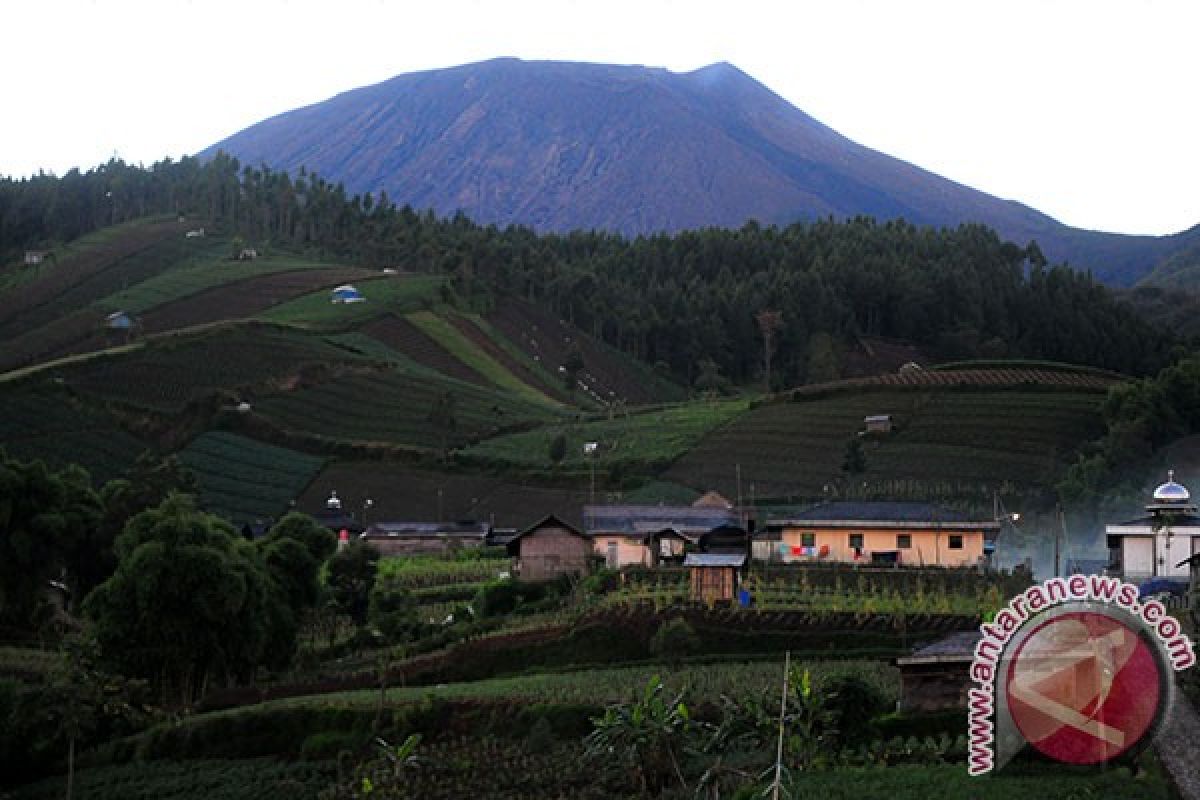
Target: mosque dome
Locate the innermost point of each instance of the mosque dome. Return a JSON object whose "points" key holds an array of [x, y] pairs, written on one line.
{"points": [[1171, 492]]}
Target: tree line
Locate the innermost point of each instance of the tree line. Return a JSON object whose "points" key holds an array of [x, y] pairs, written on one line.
{"points": [[692, 303]]}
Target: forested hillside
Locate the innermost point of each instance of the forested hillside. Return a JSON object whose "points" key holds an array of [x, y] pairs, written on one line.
{"points": [[693, 304]]}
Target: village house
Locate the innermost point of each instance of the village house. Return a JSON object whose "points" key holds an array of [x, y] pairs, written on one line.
{"points": [[1160, 543], [913, 534], [936, 677], [548, 549], [645, 535], [35, 257]]}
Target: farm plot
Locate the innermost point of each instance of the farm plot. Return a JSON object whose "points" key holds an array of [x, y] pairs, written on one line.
{"points": [[402, 492], [395, 294], [393, 406], [957, 438], [245, 298], [246, 359], [606, 371], [491, 342], [402, 336], [445, 333], [46, 423], [650, 438], [242, 479], [204, 274]]}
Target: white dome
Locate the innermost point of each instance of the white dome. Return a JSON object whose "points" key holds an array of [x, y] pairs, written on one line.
{"points": [[1172, 492]]}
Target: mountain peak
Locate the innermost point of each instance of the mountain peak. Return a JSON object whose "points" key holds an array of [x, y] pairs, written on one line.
{"points": [[561, 145]]}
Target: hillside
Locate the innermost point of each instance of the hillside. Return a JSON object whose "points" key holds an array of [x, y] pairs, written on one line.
{"points": [[565, 146]]}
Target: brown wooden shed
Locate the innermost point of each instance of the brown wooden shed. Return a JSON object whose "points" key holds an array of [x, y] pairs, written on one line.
{"points": [[714, 575], [550, 548]]}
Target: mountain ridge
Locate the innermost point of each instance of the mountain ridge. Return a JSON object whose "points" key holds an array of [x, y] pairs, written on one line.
{"points": [[560, 145]]}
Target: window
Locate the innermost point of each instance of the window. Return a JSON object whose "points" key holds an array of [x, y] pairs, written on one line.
{"points": [[856, 541], [956, 541], [808, 540], [903, 541]]}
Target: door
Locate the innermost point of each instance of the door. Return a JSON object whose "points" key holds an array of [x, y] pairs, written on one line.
{"points": [[1137, 562], [610, 556], [1172, 548]]}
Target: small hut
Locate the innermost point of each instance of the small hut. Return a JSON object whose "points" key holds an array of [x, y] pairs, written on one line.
{"points": [[936, 677], [345, 294], [550, 548], [714, 576]]}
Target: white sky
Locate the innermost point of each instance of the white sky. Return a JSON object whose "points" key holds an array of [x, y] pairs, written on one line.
{"points": [[1088, 110]]}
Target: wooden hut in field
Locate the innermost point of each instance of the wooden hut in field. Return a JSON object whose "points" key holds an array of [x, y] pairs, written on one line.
{"points": [[714, 576], [548, 549]]}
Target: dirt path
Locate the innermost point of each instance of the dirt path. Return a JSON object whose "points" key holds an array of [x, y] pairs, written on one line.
{"points": [[1177, 747]]}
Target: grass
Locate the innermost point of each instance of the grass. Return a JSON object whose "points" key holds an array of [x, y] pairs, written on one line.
{"points": [[202, 273], [656, 437], [395, 293], [464, 350], [242, 479]]}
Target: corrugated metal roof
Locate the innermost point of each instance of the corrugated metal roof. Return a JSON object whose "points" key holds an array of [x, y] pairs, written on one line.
{"points": [[642, 519], [714, 560], [880, 511], [955, 647]]}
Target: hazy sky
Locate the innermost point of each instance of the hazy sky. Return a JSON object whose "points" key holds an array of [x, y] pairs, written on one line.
{"points": [[1088, 110]]}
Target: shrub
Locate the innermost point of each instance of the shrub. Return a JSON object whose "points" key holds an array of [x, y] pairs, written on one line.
{"points": [[674, 640], [854, 703], [393, 611], [601, 581]]}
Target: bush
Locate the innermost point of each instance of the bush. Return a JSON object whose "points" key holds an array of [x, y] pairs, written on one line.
{"points": [[674, 640], [601, 582], [393, 611], [855, 703]]}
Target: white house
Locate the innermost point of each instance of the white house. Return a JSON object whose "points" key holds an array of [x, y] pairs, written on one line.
{"points": [[1156, 545]]}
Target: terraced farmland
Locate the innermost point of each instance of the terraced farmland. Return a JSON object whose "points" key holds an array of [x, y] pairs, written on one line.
{"points": [[407, 493], [958, 440], [393, 406], [45, 422], [402, 336], [244, 480], [246, 298], [447, 334], [51, 314], [527, 372], [655, 437], [165, 375], [395, 294], [608, 373], [202, 275]]}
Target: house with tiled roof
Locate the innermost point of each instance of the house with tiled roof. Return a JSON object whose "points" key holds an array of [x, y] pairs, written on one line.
{"points": [[901, 533]]}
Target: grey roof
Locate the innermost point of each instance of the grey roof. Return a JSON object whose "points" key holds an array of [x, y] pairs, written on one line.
{"points": [[955, 647], [650, 519], [874, 511], [714, 560]]}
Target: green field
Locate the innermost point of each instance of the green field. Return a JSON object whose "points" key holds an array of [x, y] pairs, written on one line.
{"points": [[462, 348], [44, 421], [395, 293], [960, 440], [214, 268], [244, 480], [169, 372], [649, 438], [393, 406]]}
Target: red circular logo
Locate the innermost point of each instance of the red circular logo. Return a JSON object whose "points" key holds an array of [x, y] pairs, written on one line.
{"points": [[1084, 687]]}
